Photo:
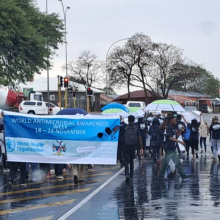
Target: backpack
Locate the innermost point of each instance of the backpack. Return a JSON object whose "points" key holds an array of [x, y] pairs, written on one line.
{"points": [[131, 136], [155, 136]]}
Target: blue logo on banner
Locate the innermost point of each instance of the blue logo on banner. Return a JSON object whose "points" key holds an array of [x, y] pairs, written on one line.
{"points": [[10, 145]]}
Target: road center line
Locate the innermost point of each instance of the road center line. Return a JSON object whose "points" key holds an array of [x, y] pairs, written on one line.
{"points": [[75, 208]]}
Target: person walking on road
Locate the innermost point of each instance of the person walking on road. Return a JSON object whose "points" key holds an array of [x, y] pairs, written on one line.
{"points": [[215, 131], [132, 137], [155, 139], [170, 149], [204, 132], [194, 136], [120, 156]]}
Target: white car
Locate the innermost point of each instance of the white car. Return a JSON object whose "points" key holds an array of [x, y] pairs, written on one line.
{"points": [[138, 104], [37, 108]]}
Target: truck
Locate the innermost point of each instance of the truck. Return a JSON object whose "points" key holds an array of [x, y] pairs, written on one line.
{"points": [[10, 99]]}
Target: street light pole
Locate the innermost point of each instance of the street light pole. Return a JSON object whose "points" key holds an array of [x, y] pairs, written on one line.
{"points": [[64, 14], [106, 64], [48, 79]]}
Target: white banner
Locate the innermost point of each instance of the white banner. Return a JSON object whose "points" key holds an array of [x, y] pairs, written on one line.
{"points": [[75, 139]]}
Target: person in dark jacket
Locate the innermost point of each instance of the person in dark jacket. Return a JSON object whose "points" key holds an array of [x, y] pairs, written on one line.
{"points": [[142, 125], [194, 136], [215, 131], [121, 142], [129, 147], [170, 149], [155, 139]]}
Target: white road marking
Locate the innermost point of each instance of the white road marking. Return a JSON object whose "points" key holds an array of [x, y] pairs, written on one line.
{"points": [[74, 209]]}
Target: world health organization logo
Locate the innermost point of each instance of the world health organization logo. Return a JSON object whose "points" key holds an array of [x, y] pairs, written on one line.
{"points": [[10, 145]]}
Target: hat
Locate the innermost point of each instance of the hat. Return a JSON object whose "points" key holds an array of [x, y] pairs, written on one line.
{"points": [[158, 113], [215, 119]]}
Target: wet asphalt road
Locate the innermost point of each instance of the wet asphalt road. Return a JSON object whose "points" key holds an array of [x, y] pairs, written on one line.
{"points": [[143, 198]]}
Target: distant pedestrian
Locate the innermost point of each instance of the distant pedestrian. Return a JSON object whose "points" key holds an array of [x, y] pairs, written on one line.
{"points": [[204, 132], [194, 136], [155, 139], [120, 155], [142, 125], [186, 139], [132, 138], [215, 131], [180, 125], [170, 149]]}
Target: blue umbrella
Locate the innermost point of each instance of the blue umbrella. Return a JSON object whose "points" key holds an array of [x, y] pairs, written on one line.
{"points": [[115, 106], [72, 111]]}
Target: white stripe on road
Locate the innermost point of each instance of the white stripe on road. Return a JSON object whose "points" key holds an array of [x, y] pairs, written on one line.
{"points": [[74, 209]]}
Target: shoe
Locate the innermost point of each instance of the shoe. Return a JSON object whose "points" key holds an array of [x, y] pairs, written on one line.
{"points": [[186, 177], [81, 181], [10, 182], [161, 178], [127, 179], [75, 179], [24, 184], [60, 177], [181, 160], [197, 156]]}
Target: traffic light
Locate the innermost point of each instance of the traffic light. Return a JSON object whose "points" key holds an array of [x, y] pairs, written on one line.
{"points": [[66, 82], [61, 81], [70, 89], [89, 92]]}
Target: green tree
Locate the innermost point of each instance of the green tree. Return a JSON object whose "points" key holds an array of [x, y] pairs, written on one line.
{"points": [[27, 38]]}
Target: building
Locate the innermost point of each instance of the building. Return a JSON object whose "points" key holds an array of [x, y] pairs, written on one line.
{"points": [[184, 98], [40, 85], [138, 95], [198, 100]]}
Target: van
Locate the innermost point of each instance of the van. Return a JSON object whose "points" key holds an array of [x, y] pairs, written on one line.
{"points": [[37, 108], [138, 104]]}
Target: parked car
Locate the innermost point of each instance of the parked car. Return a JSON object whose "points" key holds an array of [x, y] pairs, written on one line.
{"points": [[190, 108], [138, 104], [206, 109], [37, 107]]}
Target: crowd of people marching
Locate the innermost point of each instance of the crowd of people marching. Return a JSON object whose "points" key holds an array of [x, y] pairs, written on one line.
{"points": [[167, 139]]}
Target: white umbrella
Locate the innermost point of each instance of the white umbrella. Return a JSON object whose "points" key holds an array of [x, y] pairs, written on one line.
{"points": [[164, 105]]}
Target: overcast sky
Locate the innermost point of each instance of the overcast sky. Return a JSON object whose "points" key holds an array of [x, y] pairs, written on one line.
{"points": [[192, 25]]}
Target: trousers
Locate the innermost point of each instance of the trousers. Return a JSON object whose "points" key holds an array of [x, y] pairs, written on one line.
{"points": [[216, 147], [129, 161], [170, 154]]}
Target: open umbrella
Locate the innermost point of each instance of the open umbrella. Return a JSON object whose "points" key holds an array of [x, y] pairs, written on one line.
{"points": [[135, 111], [115, 106], [164, 105], [115, 111], [72, 111]]}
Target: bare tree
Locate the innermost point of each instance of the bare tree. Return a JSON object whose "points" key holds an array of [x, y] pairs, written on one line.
{"points": [[86, 69], [120, 66], [168, 69]]}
